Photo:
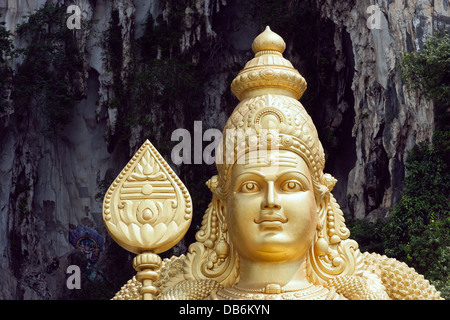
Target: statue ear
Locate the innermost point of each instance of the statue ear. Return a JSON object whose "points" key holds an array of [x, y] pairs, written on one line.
{"points": [[213, 183], [322, 194], [323, 191], [333, 254], [330, 181], [212, 256], [221, 209]]}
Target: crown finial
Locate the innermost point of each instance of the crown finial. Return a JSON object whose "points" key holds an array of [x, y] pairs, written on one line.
{"points": [[268, 72], [268, 40]]}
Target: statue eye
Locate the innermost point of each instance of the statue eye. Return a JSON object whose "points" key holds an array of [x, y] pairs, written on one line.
{"points": [[249, 187], [292, 186]]}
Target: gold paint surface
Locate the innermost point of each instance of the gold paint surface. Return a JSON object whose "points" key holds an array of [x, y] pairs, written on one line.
{"points": [[147, 207], [273, 229]]}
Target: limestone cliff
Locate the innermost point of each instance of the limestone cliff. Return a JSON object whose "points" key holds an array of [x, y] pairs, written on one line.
{"points": [[51, 185], [389, 119]]}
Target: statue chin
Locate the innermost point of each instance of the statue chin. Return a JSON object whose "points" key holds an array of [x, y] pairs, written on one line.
{"points": [[273, 229]]}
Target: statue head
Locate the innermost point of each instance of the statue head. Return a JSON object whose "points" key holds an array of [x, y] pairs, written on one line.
{"points": [[270, 207], [271, 198]]}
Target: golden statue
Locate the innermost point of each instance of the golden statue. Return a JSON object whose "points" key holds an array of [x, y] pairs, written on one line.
{"points": [[273, 229]]}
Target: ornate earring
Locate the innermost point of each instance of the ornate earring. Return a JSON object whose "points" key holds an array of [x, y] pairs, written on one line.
{"points": [[321, 245], [222, 247]]}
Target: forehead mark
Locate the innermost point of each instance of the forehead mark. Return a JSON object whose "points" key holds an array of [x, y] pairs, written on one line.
{"points": [[271, 160]]}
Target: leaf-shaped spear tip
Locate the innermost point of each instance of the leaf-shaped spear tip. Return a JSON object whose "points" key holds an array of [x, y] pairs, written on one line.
{"points": [[147, 210]]}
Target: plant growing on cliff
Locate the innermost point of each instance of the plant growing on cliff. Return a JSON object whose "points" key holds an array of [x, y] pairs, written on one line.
{"points": [[6, 46], [6, 50], [160, 81], [48, 80], [419, 229], [428, 71]]}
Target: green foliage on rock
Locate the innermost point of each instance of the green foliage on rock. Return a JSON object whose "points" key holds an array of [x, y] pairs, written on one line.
{"points": [[6, 46], [419, 226], [428, 71], [369, 235], [419, 229], [158, 83], [48, 80], [6, 50]]}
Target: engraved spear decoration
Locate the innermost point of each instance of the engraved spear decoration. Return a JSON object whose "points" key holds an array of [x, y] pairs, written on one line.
{"points": [[147, 210]]}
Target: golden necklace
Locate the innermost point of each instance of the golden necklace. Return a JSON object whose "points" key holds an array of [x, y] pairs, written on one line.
{"points": [[274, 292]]}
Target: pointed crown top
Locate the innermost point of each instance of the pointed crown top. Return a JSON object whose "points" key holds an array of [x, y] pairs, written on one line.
{"points": [[268, 41], [268, 71]]}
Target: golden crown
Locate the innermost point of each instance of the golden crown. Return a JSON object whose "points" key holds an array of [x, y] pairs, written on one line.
{"points": [[268, 89], [268, 69]]}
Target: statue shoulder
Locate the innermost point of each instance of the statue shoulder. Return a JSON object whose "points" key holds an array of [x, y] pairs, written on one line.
{"points": [[191, 290], [171, 285], [170, 274], [384, 278], [359, 287], [129, 291], [401, 282]]}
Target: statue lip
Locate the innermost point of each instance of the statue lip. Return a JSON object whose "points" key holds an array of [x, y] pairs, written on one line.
{"points": [[271, 225], [270, 218]]}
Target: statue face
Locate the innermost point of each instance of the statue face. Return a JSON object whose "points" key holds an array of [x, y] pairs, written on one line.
{"points": [[271, 209]]}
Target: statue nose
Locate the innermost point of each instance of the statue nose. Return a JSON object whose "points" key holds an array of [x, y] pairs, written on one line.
{"points": [[270, 200]]}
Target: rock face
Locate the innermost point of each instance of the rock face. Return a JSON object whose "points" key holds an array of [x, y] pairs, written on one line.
{"points": [[51, 187], [388, 120]]}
